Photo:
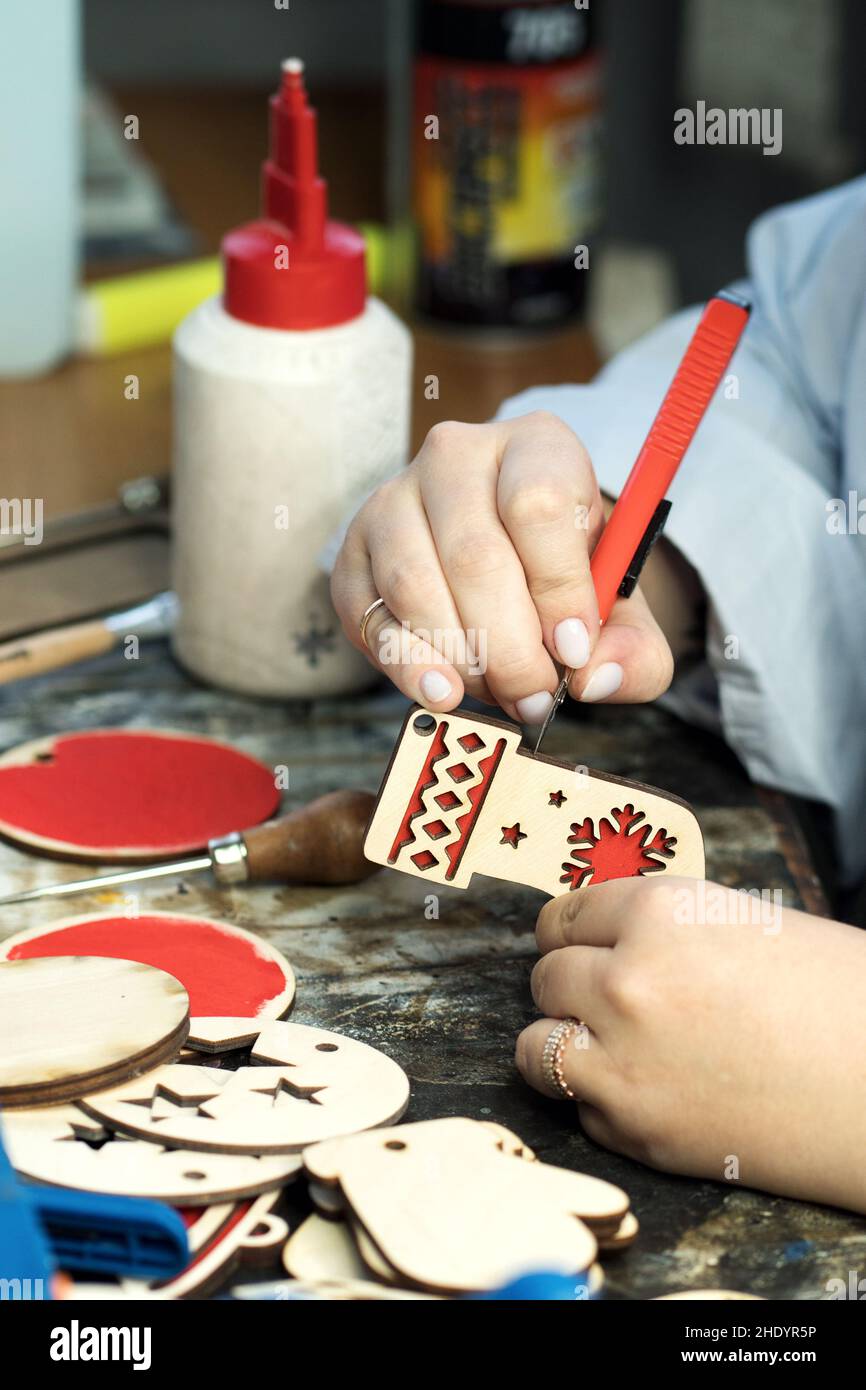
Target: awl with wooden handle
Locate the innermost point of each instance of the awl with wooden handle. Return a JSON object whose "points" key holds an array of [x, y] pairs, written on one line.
{"points": [[321, 843]]}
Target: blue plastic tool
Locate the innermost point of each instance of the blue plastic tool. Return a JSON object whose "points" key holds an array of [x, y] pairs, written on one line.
{"points": [[43, 1229], [543, 1286]]}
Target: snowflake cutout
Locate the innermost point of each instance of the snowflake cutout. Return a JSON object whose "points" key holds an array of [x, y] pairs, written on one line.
{"points": [[621, 849]]}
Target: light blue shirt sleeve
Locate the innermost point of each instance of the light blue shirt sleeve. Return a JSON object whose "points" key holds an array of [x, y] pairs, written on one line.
{"points": [[766, 504]]}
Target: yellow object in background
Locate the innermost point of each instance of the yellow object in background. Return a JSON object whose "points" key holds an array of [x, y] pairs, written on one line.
{"points": [[143, 309]]}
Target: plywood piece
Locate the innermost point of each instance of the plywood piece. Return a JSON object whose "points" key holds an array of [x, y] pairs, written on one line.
{"points": [[462, 796], [709, 1295], [451, 1212], [306, 1084], [204, 1223], [324, 1162], [127, 795], [321, 1249], [373, 1260], [62, 1146], [328, 1199], [250, 1236], [507, 1141], [330, 1291], [72, 1023], [224, 969], [222, 1034], [625, 1235], [601, 1205]]}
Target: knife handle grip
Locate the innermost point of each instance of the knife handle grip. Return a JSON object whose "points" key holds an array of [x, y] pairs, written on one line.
{"points": [[672, 431]]}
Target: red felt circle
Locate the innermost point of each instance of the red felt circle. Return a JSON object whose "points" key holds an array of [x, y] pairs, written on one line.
{"points": [[127, 793], [225, 970]]}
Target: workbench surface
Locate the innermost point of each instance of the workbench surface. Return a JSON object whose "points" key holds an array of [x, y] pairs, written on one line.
{"points": [[447, 998]]}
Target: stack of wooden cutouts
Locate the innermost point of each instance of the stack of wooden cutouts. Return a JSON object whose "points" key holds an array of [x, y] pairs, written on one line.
{"points": [[150, 1056], [115, 1078], [72, 1024], [449, 1207]]}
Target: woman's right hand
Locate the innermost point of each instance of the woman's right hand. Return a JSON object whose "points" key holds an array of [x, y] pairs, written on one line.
{"points": [[481, 552]]}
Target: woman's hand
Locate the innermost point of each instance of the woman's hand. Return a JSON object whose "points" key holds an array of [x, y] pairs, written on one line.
{"points": [[481, 550], [725, 1038]]}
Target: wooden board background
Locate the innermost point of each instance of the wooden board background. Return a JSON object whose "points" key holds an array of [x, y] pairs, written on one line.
{"points": [[446, 998]]}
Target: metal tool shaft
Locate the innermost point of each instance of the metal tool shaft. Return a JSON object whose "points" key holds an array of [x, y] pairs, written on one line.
{"points": [[561, 692], [86, 885]]}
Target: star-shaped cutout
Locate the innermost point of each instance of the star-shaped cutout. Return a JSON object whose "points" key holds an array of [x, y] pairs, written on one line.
{"points": [[512, 835], [557, 798]]}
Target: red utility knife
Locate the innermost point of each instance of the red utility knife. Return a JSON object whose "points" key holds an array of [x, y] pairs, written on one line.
{"points": [[641, 509]]}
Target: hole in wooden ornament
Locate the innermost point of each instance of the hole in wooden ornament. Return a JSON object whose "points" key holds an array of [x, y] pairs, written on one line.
{"points": [[194, 1176], [621, 848], [326, 1047], [424, 724], [425, 860], [44, 758], [512, 835], [96, 1140], [459, 772], [395, 1144], [448, 800], [471, 742], [436, 829]]}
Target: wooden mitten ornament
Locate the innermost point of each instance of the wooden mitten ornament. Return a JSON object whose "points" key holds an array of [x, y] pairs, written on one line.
{"points": [[446, 1205], [461, 796]]}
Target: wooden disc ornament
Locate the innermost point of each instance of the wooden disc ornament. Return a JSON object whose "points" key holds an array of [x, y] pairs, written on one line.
{"points": [[62, 1146], [304, 1085], [127, 795], [224, 969], [71, 1024]]}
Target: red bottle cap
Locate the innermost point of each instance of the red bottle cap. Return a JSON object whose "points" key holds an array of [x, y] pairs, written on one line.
{"points": [[293, 268]]}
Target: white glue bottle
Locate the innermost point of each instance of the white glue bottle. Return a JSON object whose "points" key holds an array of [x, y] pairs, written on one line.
{"points": [[291, 404]]}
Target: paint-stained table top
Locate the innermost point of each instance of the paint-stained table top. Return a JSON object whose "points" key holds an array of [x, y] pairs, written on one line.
{"points": [[446, 998]]}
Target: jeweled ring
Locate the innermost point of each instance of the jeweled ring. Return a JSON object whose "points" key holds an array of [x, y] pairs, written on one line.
{"points": [[368, 613], [552, 1056]]}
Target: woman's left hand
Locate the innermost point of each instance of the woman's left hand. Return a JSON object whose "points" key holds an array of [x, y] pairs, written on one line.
{"points": [[725, 1036]]}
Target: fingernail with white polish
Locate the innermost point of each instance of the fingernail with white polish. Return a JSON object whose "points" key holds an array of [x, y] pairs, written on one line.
{"points": [[572, 642], [533, 709], [603, 682], [435, 686]]}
